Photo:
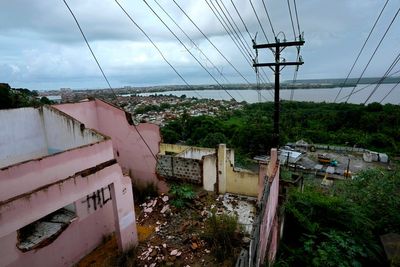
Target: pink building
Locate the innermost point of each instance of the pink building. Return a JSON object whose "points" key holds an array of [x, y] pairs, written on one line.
{"points": [[134, 146], [61, 188]]}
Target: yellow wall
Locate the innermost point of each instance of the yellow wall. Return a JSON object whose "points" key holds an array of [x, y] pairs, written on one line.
{"points": [[241, 182], [172, 148]]}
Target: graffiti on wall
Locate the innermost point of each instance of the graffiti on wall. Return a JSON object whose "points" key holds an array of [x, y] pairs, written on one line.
{"points": [[98, 198]]}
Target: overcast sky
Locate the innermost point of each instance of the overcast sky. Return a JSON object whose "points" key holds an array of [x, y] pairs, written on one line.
{"points": [[41, 47]]}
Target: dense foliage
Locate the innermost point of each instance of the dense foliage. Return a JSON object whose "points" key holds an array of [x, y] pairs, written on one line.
{"points": [[341, 226], [375, 126], [17, 98]]}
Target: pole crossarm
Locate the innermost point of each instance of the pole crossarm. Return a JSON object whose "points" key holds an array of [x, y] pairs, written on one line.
{"points": [[276, 45], [277, 64]]}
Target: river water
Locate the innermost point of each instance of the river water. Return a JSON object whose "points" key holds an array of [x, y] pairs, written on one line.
{"points": [[360, 94]]}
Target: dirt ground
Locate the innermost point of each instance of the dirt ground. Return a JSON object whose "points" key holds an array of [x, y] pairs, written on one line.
{"points": [[169, 236]]}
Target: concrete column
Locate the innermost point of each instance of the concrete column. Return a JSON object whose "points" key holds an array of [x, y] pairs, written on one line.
{"points": [[124, 214], [221, 168]]}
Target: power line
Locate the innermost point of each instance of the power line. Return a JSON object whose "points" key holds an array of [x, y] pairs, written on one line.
{"points": [[228, 30], [187, 36], [244, 24], [88, 45], [259, 22], [251, 38], [269, 19], [389, 92], [105, 77], [296, 70], [156, 47], [291, 19], [365, 87], [376, 49], [361, 50], [234, 23], [395, 61], [169, 29], [231, 35], [297, 17], [205, 36], [236, 38]]}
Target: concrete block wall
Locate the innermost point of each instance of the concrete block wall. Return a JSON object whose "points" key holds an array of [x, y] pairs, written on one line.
{"points": [[188, 169], [180, 168], [164, 165]]}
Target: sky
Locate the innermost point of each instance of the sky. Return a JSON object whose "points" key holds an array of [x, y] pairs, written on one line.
{"points": [[41, 47]]}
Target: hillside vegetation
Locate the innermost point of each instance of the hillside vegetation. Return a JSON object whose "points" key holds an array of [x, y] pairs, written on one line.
{"points": [[20, 97], [341, 226], [249, 131]]}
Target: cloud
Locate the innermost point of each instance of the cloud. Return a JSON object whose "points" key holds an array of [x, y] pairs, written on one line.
{"points": [[42, 47]]}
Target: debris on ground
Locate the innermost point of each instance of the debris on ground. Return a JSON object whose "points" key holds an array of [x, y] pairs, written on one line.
{"points": [[170, 236], [177, 237]]}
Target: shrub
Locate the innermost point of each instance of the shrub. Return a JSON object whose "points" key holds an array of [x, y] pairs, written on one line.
{"points": [[181, 193], [221, 233]]}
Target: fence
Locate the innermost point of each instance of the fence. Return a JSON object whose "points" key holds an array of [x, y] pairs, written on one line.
{"points": [[264, 238], [329, 147]]}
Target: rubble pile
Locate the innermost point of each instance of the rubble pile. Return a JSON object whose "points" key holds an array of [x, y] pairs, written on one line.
{"points": [[176, 240]]}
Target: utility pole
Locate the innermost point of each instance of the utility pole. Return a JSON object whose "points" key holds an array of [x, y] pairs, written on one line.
{"points": [[277, 48]]}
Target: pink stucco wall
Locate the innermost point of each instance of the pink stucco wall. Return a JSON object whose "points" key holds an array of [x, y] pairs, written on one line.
{"points": [[33, 189], [131, 152], [268, 228], [21, 178], [81, 236]]}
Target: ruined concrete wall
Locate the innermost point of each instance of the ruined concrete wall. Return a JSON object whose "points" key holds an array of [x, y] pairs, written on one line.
{"points": [[234, 180], [82, 235], [221, 168], [177, 168], [32, 133], [196, 152], [21, 178], [268, 228], [262, 177], [131, 152], [22, 136], [85, 112], [164, 165], [64, 132], [172, 148], [209, 172], [241, 182]]}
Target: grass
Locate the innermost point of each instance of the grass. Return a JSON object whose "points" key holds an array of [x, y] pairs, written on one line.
{"points": [[222, 232]]}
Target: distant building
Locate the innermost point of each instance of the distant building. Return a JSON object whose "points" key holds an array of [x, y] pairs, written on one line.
{"points": [[61, 190]]}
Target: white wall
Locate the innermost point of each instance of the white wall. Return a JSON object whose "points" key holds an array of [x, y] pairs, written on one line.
{"points": [[21, 136], [196, 153], [209, 172], [63, 132], [29, 133]]}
